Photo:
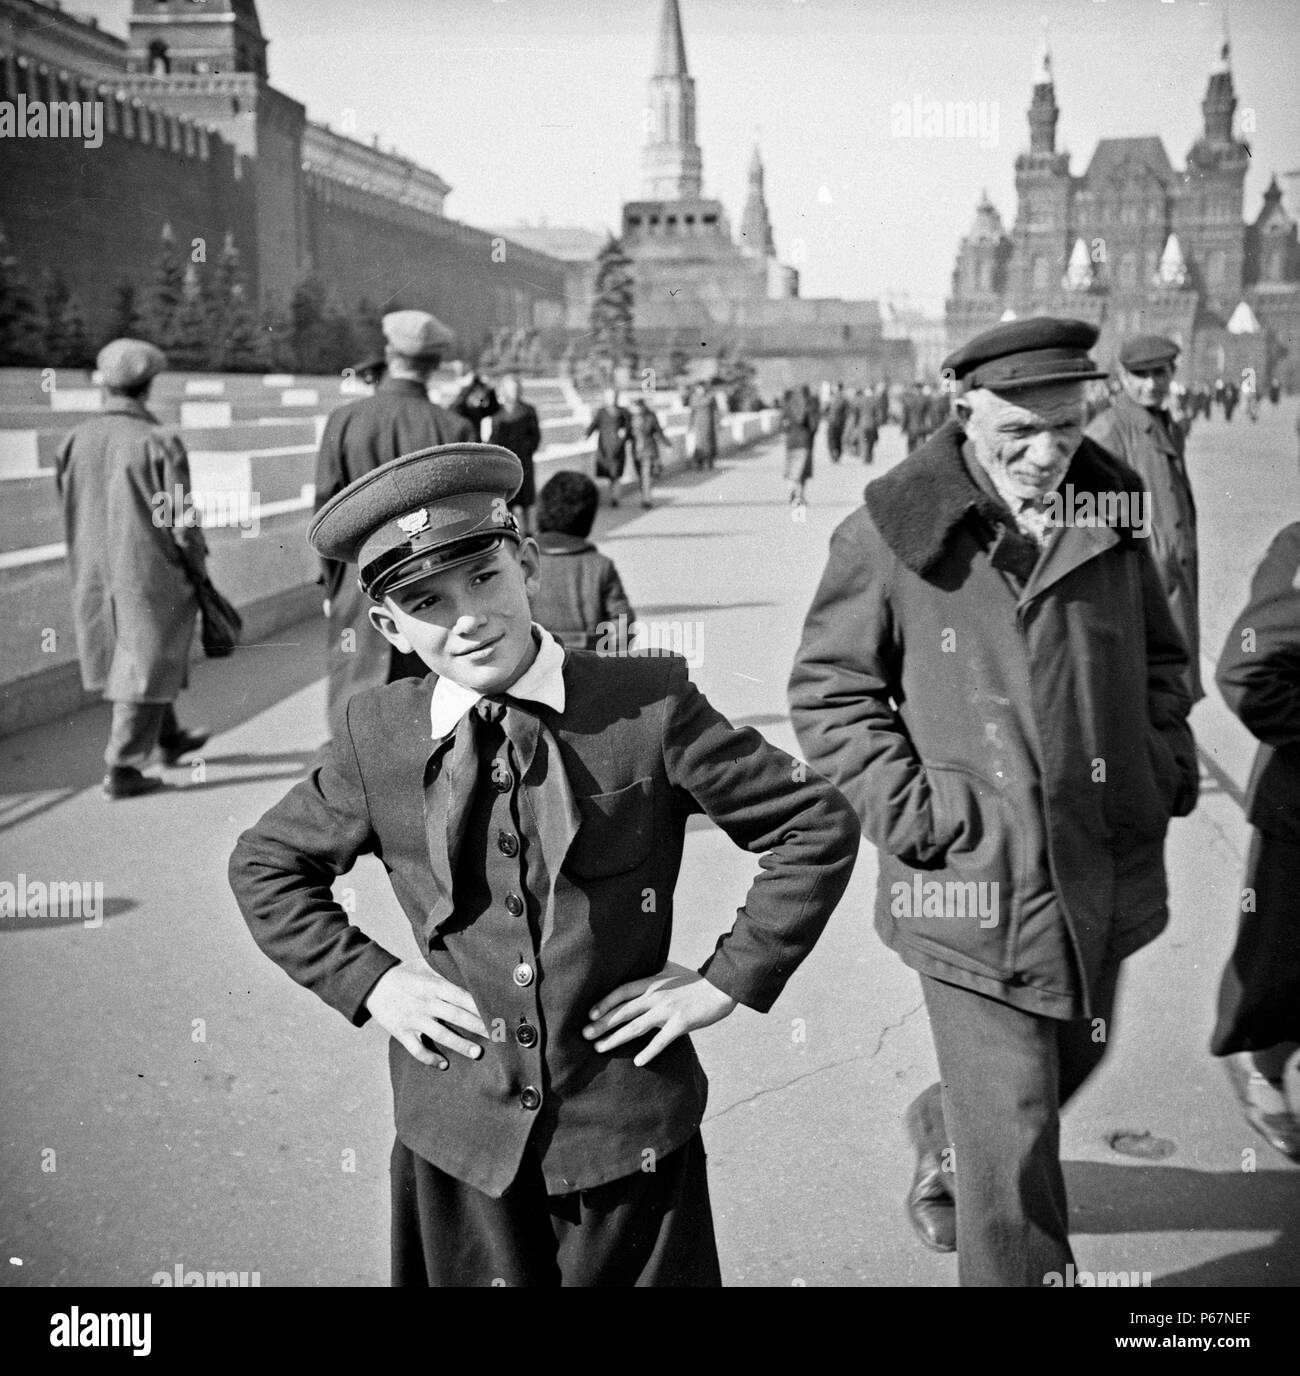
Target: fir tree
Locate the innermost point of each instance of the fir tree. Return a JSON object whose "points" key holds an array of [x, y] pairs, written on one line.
{"points": [[276, 350], [168, 291], [77, 352], [613, 338], [54, 304], [241, 350], [368, 330], [126, 322], [232, 328], [307, 309], [189, 346], [20, 333]]}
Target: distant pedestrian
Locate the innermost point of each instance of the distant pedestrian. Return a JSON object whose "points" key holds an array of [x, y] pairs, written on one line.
{"points": [[358, 437], [864, 426], [581, 598], [837, 417], [1139, 430], [370, 370], [646, 437], [916, 415], [516, 427], [799, 425], [134, 547], [475, 403], [936, 409], [1231, 395], [612, 426], [1250, 393], [704, 426], [1258, 1025], [1275, 390]]}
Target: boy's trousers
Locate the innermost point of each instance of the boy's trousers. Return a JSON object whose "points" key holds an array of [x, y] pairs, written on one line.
{"points": [[652, 1228]]}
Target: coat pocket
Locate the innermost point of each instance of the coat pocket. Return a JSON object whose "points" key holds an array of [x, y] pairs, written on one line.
{"points": [[972, 826], [615, 832]]}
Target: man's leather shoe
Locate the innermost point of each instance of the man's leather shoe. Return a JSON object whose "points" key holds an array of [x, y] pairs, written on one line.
{"points": [[931, 1208], [129, 783], [184, 744]]}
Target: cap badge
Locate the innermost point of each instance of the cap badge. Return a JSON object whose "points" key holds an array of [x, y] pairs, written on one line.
{"points": [[415, 522]]}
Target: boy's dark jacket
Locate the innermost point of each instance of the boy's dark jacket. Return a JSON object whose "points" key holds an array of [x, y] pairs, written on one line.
{"points": [[641, 750]]}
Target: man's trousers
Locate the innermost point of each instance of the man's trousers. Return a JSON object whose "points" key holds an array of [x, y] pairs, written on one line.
{"points": [[654, 1228], [138, 727], [1005, 1076]]}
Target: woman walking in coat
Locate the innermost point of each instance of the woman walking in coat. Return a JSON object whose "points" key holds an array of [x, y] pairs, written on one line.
{"points": [[799, 418], [704, 427], [516, 427], [134, 543], [1258, 1027]]}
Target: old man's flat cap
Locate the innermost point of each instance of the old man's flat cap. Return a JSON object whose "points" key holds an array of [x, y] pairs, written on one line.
{"points": [[416, 334], [420, 514], [1147, 351], [1026, 353], [129, 362]]}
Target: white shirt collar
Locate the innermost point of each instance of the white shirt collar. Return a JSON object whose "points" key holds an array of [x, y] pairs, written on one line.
{"points": [[542, 682]]}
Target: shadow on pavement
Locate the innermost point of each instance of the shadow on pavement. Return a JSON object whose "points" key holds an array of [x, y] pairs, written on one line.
{"points": [[108, 907], [1107, 1199]]}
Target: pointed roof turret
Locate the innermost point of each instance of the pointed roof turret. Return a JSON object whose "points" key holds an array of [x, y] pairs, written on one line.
{"points": [[987, 224], [1172, 271], [1078, 274], [670, 60]]}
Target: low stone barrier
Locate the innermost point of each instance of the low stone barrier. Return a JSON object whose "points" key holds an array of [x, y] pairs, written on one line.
{"points": [[257, 505]]}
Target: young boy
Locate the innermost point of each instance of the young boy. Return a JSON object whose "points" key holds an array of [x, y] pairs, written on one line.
{"points": [[529, 805], [581, 594]]}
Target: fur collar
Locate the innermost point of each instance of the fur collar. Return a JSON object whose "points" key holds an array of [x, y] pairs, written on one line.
{"points": [[919, 505]]}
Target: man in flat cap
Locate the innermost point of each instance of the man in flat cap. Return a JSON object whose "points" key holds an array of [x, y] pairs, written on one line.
{"points": [[1139, 429], [530, 804], [397, 419], [990, 673], [133, 542]]}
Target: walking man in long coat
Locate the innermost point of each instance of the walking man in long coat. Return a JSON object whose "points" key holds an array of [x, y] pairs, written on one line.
{"points": [[516, 427], [398, 419], [1138, 429], [134, 540], [612, 426], [1000, 693]]}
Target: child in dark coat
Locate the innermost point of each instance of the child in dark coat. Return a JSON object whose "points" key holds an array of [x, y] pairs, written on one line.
{"points": [[581, 597]]}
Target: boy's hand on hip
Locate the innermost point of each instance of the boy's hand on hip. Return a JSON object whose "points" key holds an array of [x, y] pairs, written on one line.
{"points": [[676, 1001], [411, 999]]}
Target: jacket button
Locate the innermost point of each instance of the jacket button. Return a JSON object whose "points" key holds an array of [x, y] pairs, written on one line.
{"points": [[530, 1098], [514, 905], [503, 780], [523, 975], [526, 1034], [507, 843]]}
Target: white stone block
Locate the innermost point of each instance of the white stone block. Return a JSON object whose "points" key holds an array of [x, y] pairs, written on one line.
{"points": [[76, 399], [205, 387], [300, 396], [277, 380], [205, 415], [19, 455]]}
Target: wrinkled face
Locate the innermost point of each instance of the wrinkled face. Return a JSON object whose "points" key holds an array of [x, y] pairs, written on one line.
{"points": [[1147, 386], [470, 623], [1026, 438]]}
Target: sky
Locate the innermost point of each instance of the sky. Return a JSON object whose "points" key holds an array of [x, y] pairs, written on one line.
{"points": [[532, 109]]}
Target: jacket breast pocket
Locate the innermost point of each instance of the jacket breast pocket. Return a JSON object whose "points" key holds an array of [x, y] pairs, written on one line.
{"points": [[615, 832]]}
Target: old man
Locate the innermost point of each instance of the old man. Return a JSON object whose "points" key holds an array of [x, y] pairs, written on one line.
{"points": [[1000, 691]]}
